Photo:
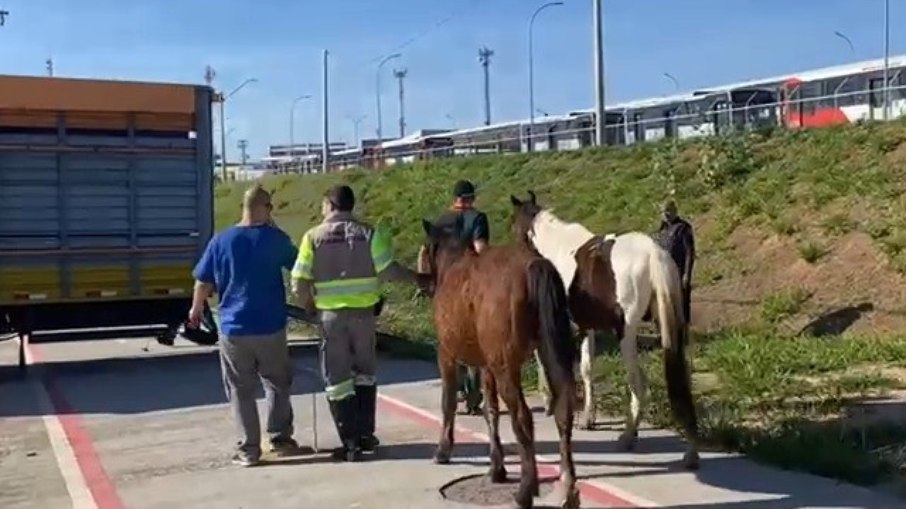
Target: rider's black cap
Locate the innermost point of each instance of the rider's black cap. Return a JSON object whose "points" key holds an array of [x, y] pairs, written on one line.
{"points": [[464, 189]]}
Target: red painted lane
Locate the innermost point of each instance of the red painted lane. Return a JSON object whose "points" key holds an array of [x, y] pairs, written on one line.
{"points": [[99, 483], [591, 492]]}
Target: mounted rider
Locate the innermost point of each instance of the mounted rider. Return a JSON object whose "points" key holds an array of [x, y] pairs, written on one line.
{"points": [[475, 229]]}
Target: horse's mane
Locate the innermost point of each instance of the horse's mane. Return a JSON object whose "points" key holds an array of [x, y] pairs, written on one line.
{"points": [[546, 223]]}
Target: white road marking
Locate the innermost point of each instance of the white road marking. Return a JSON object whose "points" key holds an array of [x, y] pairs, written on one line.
{"points": [[78, 490]]}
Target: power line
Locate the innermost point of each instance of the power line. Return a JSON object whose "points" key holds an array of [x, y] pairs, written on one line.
{"points": [[424, 33]]}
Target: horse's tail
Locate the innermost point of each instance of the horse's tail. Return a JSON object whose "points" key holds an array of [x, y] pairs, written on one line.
{"points": [[665, 282], [548, 295]]}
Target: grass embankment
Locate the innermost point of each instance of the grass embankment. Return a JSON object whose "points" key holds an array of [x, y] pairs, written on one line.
{"points": [[813, 198]]}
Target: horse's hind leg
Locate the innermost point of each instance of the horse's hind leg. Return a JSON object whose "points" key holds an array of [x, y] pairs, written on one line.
{"points": [[447, 366], [543, 385], [564, 415], [492, 416], [523, 428], [638, 384], [586, 368]]}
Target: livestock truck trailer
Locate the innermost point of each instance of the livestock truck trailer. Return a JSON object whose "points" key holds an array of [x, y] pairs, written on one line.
{"points": [[106, 202]]}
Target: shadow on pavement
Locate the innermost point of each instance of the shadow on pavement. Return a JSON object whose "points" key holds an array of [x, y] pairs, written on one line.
{"points": [[148, 383], [783, 490]]}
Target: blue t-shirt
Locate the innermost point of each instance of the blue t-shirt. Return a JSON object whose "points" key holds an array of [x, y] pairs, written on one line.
{"points": [[244, 263]]}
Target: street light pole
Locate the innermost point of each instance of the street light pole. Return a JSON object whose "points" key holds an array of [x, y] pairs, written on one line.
{"points": [[325, 150], [600, 113], [531, 66], [886, 59], [673, 79], [846, 39], [380, 127], [223, 150], [292, 125]]}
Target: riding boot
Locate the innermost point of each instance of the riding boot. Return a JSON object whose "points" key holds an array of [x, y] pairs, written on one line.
{"points": [[344, 414], [473, 396], [367, 403]]}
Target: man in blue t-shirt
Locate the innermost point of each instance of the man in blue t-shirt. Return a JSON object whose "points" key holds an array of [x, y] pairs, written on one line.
{"points": [[244, 265]]}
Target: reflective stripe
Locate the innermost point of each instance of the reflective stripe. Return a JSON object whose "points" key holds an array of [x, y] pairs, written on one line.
{"points": [[347, 302], [381, 250], [340, 391], [365, 380], [356, 293], [302, 269], [347, 286]]}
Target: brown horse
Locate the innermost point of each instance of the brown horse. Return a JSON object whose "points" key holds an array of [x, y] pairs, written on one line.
{"points": [[612, 283], [493, 311]]}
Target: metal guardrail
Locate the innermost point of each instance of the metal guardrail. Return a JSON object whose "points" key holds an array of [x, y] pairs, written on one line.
{"points": [[849, 107]]}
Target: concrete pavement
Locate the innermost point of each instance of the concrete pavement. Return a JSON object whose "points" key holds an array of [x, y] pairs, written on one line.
{"points": [[104, 424]]}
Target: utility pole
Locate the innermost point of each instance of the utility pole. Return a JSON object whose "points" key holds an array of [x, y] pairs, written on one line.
{"points": [[325, 154], [243, 144], [484, 57], [209, 75], [355, 126], [49, 63], [886, 59], [400, 75], [600, 113], [3, 14]]}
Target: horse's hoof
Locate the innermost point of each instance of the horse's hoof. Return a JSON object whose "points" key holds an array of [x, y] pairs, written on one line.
{"points": [[627, 441], [691, 460], [568, 496], [442, 457], [522, 501], [497, 475]]}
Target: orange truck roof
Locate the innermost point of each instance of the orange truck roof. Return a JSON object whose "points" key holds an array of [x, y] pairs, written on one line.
{"points": [[40, 93]]}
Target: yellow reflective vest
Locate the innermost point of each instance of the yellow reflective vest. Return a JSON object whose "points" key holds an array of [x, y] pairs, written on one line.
{"points": [[342, 257]]}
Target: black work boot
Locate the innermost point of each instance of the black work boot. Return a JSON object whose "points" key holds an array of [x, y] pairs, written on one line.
{"points": [[345, 416], [367, 402]]}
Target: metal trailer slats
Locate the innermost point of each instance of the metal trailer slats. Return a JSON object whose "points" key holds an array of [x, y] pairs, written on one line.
{"points": [[102, 198]]}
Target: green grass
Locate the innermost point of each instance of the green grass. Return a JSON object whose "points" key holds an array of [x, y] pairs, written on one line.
{"points": [[776, 182], [777, 306], [779, 400]]}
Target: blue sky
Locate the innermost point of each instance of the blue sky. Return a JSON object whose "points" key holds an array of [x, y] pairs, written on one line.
{"points": [[279, 42]]}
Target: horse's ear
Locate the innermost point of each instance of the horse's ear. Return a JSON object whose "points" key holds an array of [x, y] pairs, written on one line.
{"points": [[428, 227], [532, 197], [516, 201]]}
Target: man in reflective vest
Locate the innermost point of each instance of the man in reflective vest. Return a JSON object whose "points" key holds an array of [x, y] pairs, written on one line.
{"points": [[336, 273]]}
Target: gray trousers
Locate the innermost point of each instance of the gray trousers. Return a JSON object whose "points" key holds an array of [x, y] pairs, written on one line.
{"points": [[245, 359], [348, 356]]}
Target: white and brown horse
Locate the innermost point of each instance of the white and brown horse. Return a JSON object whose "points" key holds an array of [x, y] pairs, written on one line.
{"points": [[611, 283]]}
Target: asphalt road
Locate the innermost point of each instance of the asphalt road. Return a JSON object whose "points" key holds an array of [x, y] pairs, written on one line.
{"points": [[108, 425]]}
